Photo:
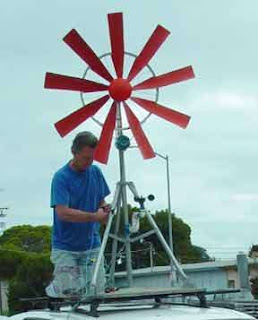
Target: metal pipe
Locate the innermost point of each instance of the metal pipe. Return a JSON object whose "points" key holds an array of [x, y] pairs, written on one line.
{"points": [[124, 202], [114, 245], [151, 256], [166, 246], [170, 228], [101, 252]]}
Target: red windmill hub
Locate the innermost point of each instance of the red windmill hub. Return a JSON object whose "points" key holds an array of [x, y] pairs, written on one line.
{"points": [[119, 89]]}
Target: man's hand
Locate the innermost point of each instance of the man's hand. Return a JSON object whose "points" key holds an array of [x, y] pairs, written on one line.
{"points": [[106, 208], [102, 216]]}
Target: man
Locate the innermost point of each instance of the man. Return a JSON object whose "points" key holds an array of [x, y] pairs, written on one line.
{"points": [[78, 200]]}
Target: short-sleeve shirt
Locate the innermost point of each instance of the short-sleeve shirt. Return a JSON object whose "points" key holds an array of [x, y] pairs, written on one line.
{"points": [[78, 190]]}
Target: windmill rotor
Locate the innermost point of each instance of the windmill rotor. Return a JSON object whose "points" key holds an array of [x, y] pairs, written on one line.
{"points": [[120, 88], [151, 71]]}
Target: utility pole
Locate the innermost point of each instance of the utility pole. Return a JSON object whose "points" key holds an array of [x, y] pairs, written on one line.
{"points": [[2, 227], [170, 227], [3, 214]]}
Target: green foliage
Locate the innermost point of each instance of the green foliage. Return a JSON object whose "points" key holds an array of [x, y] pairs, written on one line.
{"points": [[27, 238], [33, 275], [24, 256], [10, 261], [184, 250]]}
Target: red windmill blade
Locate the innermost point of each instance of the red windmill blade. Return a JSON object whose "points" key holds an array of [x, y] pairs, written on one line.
{"points": [[139, 135], [83, 50], [166, 79], [152, 46], [173, 116], [67, 124], [116, 33], [104, 145], [119, 89], [58, 81]]}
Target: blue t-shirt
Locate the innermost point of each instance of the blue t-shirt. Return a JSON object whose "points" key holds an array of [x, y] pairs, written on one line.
{"points": [[78, 190]]}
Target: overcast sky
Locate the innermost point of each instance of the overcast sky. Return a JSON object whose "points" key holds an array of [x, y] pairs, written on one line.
{"points": [[213, 161]]}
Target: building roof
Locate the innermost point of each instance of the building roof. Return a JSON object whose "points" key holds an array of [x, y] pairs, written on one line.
{"points": [[191, 267]]}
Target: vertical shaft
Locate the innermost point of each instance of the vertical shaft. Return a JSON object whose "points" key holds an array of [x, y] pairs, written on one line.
{"points": [[114, 245], [169, 208], [124, 201], [170, 224]]}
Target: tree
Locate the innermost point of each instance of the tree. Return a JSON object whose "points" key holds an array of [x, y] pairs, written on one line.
{"points": [[25, 261], [184, 250], [32, 277], [27, 238], [253, 252]]}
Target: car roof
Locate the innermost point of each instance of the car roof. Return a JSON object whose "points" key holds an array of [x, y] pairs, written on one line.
{"points": [[166, 312]]}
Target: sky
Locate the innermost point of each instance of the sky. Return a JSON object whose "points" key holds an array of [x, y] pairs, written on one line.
{"points": [[213, 162]]}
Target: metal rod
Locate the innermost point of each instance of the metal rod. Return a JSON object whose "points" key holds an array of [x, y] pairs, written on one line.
{"points": [[101, 252], [113, 236], [143, 235], [124, 202], [166, 246], [133, 189], [170, 223], [115, 204], [170, 220], [170, 228], [114, 243], [151, 256]]}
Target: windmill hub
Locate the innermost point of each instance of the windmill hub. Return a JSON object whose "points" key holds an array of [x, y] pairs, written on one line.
{"points": [[120, 89]]}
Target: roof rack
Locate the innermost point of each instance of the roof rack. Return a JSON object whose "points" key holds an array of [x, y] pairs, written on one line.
{"points": [[130, 294]]}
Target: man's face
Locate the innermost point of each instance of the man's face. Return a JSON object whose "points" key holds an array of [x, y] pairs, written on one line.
{"points": [[84, 158]]}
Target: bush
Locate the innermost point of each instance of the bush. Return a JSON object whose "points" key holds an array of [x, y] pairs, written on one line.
{"points": [[33, 275]]}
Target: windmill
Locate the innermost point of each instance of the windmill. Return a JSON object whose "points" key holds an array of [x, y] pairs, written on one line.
{"points": [[122, 90]]}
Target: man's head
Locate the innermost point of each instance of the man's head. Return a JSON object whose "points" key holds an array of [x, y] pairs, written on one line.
{"points": [[83, 148]]}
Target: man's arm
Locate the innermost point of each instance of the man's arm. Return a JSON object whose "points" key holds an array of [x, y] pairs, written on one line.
{"points": [[105, 206], [73, 215]]}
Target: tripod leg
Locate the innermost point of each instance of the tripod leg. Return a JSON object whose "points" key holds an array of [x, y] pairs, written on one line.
{"points": [[165, 245], [105, 237], [127, 237], [101, 252], [133, 189], [114, 246]]}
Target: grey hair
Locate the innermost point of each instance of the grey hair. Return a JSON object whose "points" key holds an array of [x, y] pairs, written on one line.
{"points": [[84, 139]]}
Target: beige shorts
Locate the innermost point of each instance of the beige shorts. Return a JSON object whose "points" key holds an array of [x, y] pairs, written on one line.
{"points": [[73, 273]]}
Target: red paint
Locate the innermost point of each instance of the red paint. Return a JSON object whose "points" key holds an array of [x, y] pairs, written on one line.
{"points": [[159, 35], [84, 51], [67, 124], [178, 118], [120, 89], [166, 79], [104, 145], [139, 135], [61, 82], [116, 34]]}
